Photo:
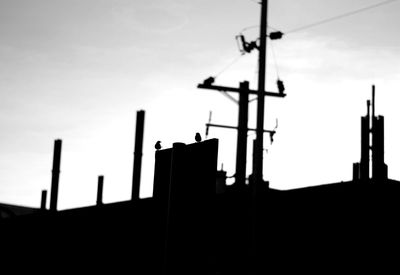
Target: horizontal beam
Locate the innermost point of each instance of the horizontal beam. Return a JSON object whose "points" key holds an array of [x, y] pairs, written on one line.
{"points": [[235, 128], [237, 90]]}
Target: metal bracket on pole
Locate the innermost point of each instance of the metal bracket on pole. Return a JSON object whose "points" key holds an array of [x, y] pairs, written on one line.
{"points": [[235, 128]]}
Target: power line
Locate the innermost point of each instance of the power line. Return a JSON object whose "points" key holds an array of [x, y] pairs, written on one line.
{"points": [[236, 59], [254, 27], [249, 28], [230, 97], [317, 23], [350, 13]]}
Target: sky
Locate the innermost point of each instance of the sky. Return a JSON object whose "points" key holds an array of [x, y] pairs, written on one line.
{"points": [[79, 71]]}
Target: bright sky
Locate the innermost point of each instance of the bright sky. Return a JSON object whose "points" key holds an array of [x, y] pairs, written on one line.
{"points": [[79, 71]]}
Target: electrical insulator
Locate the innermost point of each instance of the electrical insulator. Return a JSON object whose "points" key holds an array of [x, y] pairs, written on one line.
{"points": [[281, 87], [251, 46], [271, 136], [244, 46], [209, 81], [275, 35]]}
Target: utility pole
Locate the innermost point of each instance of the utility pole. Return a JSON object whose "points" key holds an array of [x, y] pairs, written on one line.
{"points": [[257, 175], [259, 144]]}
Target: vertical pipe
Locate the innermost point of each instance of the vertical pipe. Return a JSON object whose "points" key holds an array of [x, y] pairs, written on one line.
{"points": [[258, 165], [365, 147], [241, 149], [137, 162], [55, 174], [373, 136], [373, 104], [251, 177], [99, 200], [43, 200]]}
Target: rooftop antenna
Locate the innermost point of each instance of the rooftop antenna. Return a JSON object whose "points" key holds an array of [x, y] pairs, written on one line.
{"points": [[372, 146]]}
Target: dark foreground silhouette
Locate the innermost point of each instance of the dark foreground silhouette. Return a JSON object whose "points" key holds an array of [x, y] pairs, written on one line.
{"points": [[186, 228], [192, 225]]}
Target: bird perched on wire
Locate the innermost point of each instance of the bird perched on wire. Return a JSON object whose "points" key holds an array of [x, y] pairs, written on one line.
{"points": [[197, 137], [158, 145]]}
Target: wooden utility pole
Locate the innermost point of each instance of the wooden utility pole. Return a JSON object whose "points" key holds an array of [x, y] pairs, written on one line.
{"points": [[259, 142], [257, 180], [258, 154], [257, 176]]}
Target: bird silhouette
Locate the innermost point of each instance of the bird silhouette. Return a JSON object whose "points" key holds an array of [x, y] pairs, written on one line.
{"points": [[158, 145], [197, 137]]}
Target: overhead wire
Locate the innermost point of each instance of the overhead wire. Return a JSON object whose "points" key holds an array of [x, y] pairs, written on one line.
{"points": [[275, 60], [327, 20], [230, 97], [314, 24], [320, 22], [236, 59], [254, 27], [340, 16]]}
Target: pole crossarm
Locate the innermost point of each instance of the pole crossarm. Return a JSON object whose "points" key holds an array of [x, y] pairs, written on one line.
{"points": [[237, 90], [235, 128]]}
